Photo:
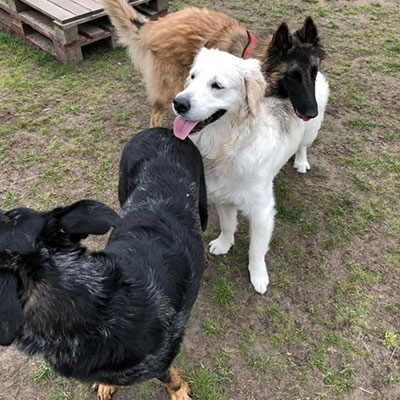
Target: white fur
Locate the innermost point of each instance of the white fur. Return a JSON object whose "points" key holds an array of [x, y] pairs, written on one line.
{"points": [[246, 147]]}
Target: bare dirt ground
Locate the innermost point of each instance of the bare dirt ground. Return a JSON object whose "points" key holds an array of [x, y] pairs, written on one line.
{"points": [[329, 325]]}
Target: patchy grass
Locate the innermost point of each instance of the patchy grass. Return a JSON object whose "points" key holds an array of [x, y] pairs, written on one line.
{"points": [[43, 373], [390, 339], [223, 293], [204, 383]]}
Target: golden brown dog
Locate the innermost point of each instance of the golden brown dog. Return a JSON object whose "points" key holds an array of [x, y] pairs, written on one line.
{"points": [[163, 50]]}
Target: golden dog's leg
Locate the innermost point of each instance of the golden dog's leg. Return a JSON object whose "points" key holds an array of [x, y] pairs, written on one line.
{"points": [[177, 388], [104, 392], [207, 253], [157, 114]]}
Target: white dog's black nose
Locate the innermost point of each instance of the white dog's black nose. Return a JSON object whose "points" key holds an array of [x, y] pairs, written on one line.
{"points": [[181, 105]]}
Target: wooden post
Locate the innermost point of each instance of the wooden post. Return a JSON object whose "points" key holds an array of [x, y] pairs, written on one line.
{"points": [[68, 54], [66, 35], [17, 6], [63, 28]]}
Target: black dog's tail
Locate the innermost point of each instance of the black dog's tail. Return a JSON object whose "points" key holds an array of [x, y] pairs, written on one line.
{"points": [[125, 18]]}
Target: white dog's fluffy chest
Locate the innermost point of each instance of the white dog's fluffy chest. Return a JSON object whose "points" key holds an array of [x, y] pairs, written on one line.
{"points": [[243, 175]]}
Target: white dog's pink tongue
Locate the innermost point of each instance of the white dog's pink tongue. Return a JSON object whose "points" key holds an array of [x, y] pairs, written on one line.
{"points": [[182, 127]]}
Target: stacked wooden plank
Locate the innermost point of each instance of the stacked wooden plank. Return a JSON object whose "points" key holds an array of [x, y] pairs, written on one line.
{"points": [[64, 27]]}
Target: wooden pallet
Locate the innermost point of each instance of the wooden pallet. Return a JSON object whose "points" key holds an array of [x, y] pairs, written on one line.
{"points": [[64, 27]]}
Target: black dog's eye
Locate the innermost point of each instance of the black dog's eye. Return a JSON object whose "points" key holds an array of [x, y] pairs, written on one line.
{"points": [[296, 75], [314, 72], [216, 85]]}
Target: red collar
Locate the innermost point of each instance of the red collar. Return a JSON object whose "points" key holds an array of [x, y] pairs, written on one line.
{"points": [[251, 40]]}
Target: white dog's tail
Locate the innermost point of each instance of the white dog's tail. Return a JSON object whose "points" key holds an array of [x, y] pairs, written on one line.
{"points": [[125, 18]]}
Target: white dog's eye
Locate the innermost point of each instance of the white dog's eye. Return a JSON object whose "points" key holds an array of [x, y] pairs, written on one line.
{"points": [[192, 76], [217, 85]]}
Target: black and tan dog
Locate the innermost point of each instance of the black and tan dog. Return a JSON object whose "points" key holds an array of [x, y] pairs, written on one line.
{"points": [[164, 51], [117, 316]]}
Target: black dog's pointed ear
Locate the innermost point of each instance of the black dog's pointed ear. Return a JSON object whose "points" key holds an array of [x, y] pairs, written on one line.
{"points": [[281, 41], [11, 316], [87, 217], [308, 33]]}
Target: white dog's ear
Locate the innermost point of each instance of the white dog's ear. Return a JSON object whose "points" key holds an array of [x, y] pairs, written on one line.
{"points": [[255, 85], [187, 81]]}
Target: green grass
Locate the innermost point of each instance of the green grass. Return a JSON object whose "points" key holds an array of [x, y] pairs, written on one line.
{"points": [[9, 199], [395, 48], [59, 395], [361, 183], [223, 293], [204, 383], [214, 326], [289, 207], [42, 373], [390, 339], [360, 124], [340, 380], [144, 390], [391, 380], [393, 307]]}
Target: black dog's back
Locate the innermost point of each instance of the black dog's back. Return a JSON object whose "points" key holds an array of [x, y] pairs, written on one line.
{"points": [[177, 158], [164, 207]]}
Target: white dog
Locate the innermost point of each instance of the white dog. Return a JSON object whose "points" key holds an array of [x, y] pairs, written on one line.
{"points": [[245, 139]]}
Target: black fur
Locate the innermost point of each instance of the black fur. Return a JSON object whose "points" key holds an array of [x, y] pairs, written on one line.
{"points": [[292, 63], [138, 24], [116, 316], [11, 317]]}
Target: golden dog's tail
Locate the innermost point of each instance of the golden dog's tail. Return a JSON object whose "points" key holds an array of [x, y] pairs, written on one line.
{"points": [[125, 18]]}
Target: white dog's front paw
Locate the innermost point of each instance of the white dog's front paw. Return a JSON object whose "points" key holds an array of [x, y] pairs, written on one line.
{"points": [[259, 278], [221, 245], [301, 167]]}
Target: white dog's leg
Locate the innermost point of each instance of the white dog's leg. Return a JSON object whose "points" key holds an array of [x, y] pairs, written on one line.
{"points": [[300, 161], [227, 219], [261, 226]]}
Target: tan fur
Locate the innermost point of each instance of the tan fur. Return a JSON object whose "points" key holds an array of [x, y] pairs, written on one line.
{"points": [[255, 89], [177, 388], [164, 49], [104, 392], [122, 15]]}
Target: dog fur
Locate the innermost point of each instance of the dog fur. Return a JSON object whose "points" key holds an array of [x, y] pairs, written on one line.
{"points": [[245, 139], [163, 50], [116, 316]]}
